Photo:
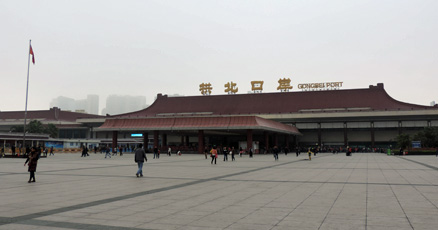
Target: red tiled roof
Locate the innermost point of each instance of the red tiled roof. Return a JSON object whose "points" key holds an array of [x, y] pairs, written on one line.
{"points": [[372, 98], [54, 114], [197, 123]]}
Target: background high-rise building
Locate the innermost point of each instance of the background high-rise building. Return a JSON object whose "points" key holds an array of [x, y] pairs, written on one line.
{"points": [[89, 105], [64, 103], [118, 104], [92, 105]]}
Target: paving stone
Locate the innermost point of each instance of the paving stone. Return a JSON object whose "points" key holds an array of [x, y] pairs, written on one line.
{"points": [[365, 191]]}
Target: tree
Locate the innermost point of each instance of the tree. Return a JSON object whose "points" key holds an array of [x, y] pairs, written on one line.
{"points": [[52, 130], [428, 137], [36, 126], [403, 140], [16, 128]]}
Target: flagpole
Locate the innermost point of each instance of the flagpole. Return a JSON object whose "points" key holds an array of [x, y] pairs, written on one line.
{"points": [[27, 90]]}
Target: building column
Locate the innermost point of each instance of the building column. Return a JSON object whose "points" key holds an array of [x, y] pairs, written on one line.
{"points": [[200, 141], [164, 140], [372, 135], [156, 133], [319, 135], [249, 139], [400, 125], [345, 135], [294, 137], [91, 133], [286, 141], [266, 140], [114, 145], [145, 140]]}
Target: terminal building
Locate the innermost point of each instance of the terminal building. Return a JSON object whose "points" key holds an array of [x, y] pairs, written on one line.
{"points": [[71, 132], [366, 117]]}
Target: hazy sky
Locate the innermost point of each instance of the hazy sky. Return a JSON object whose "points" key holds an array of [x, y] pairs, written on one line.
{"points": [[170, 47]]}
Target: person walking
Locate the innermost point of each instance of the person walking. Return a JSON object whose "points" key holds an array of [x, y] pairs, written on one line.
{"points": [[84, 151], [310, 154], [140, 158], [38, 150], [275, 151], [240, 152], [32, 160], [233, 151], [349, 151], [169, 152], [51, 151], [225, 152], [121, 150], [156, 152], [213, 155], [107, 152], [286, 150], [205, 152], [250, 153], [115, 151]]}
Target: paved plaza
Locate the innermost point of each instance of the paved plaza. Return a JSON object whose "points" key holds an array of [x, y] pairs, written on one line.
{"points": [[365, 191]]}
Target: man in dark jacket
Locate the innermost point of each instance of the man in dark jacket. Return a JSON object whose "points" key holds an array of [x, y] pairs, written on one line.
{"points": [[225, 151], [156, 152], [140, 157], [84, 151], [276, 151]]}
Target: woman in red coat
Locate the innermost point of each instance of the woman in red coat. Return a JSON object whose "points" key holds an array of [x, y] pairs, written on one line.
{"points": [[213, 153], [32, 158]]}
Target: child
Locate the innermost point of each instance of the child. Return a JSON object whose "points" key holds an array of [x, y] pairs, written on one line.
{"points": [[310, 154]]}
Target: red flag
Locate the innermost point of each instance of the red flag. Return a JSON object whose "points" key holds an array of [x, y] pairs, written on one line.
{"points": [[33, 56]]}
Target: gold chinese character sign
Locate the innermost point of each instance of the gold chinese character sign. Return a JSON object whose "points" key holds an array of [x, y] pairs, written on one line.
{"points": [[205, 88], [257, 86], [284, 85], [231, 88]]}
